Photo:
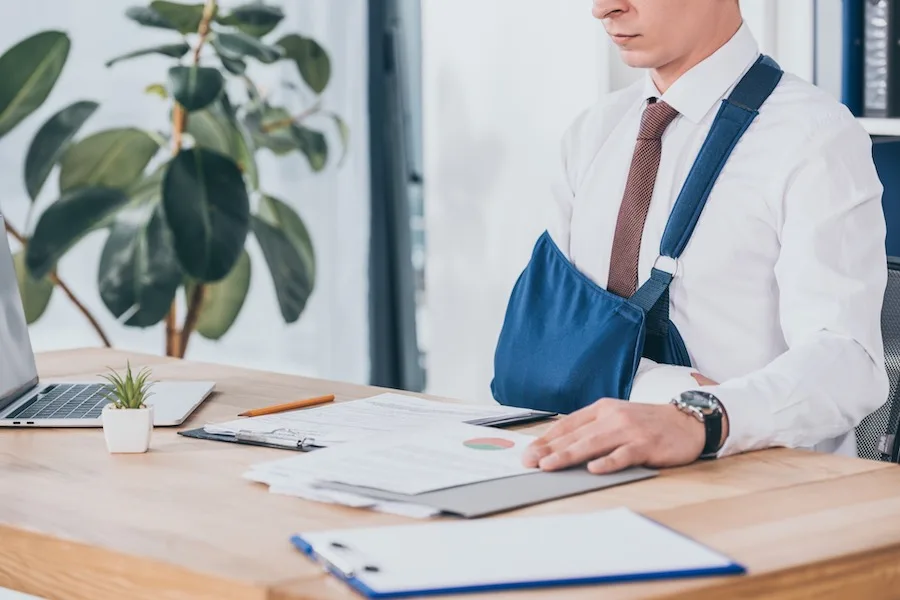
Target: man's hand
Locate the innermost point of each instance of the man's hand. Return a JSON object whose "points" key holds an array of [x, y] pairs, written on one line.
{"points": [[611, 435], [703, 379]]}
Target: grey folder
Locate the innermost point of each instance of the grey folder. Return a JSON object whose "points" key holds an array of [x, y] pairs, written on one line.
{"points": [[499, 495]]}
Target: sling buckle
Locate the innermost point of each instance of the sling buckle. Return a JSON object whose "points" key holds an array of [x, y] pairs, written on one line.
{"points": [[667, 264]]}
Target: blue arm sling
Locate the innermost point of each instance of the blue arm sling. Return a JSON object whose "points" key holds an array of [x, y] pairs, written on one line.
{"points": [[567, 342]]}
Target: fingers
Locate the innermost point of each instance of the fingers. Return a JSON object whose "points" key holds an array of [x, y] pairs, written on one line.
{"points": [[702, 379], [565, 426], [579, 447], [537, 450], [580, 417], [602, 428], [617, 460]]}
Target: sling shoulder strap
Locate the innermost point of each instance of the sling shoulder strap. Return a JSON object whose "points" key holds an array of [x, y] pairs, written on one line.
{"points": [[735, 115]]}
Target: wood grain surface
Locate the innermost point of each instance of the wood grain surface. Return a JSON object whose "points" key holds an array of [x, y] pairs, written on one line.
{"points": [[179, 522]]}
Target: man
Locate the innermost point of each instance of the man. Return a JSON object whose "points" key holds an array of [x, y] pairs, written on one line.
{"points": [[778, 293]]}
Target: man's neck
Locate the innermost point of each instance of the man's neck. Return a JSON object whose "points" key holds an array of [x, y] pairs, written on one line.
{"points": [[665, 75]]}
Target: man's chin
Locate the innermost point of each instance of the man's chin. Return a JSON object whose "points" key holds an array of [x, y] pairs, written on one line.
{"points": [[637, 59]]}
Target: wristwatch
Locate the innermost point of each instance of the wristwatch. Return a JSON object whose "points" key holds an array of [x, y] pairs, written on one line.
{"points": [[707, 409]]}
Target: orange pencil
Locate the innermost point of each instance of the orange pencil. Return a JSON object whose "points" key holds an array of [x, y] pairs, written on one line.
{"points": [[306, 402]]}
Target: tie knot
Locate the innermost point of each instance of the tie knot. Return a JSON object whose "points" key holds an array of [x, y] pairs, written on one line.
{"points": [[657, 116]]}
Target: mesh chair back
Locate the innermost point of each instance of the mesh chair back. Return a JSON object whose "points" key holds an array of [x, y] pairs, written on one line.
{"points": [[877, 436]]}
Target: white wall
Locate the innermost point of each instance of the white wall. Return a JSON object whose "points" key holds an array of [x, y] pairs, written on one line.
{"points": [[331, 338], [784, 29], [502, 80]]}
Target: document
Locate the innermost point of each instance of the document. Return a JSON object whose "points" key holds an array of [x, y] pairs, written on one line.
{"points": [[604, 546], [308, 491], [359, 419], [434, 458]]}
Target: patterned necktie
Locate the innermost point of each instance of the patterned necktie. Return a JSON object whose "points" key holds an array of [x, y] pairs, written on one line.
{"points": [[623, 267]]}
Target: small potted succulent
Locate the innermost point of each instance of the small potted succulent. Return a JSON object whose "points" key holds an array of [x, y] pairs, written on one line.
{"points": [[127, 419]]}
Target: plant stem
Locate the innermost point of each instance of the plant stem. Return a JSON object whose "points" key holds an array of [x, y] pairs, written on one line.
{"points": [[66, 290], [12, 231], [179, 122], [270, 127], [172, 341], [209, 11], [55, 279], [193, 315], [176, 340]]}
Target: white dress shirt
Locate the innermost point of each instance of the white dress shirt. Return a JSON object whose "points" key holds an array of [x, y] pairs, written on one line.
{"points": [[778, 295]]}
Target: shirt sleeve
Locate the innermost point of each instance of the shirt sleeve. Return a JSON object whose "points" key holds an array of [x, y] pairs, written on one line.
{"points": [[831, 275], [562, 186]]}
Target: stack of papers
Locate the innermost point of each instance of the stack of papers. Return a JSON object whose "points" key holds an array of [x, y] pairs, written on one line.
{"points": [[360, 419], [414, 462]]}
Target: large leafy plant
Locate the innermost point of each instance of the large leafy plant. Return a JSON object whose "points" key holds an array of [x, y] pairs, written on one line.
{"points": [[179, 205]]}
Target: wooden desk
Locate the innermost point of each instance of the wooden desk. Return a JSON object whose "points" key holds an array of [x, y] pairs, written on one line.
{"points": [[179, 522]]}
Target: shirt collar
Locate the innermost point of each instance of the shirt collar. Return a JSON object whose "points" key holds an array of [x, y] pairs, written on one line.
{"points": [[696, 92]]}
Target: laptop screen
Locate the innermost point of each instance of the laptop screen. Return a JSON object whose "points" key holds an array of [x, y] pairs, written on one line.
{"points": [[18, 371]]}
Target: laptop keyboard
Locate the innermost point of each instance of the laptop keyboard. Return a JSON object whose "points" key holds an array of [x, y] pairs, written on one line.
{"points": [[69, 401]]}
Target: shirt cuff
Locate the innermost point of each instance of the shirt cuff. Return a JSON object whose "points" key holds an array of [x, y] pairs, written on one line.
{"points": [[751, 425]]}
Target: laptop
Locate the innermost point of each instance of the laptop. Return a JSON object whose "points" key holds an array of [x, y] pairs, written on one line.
{"points": [[26, 401]]}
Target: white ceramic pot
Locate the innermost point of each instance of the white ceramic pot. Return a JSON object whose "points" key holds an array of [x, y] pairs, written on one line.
{"points": [[127, 430]]}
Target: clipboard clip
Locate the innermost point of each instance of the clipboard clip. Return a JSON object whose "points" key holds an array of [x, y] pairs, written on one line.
{"points": [[343, 561], [285, 438]]}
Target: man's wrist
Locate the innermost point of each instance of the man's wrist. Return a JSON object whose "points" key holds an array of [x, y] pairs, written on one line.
{"points": [[708, 410], [724, 426]]}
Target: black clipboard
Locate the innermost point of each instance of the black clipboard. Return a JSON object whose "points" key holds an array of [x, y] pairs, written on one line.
{"points": [[498, 422]]}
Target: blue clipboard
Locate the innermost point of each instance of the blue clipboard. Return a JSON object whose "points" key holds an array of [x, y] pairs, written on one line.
{"points": [[360, 571]]}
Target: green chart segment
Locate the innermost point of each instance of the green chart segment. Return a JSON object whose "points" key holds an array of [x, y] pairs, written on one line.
{"points": [[489, 444]]}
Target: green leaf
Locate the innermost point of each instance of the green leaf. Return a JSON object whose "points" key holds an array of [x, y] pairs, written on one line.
{"points": [[28, 72], [195, 87], [210, 131], [35, 293], [147, 190], [270, 128], [255, 19], [253, 93], [241, 45], [313, 144], [242, 150], [222, 301], [184, 17], [66, 221], [344, 132], [148, 17], [235, 66], [292, 286], [51, 141], [157, 89], [208, 211], [274, 128], [173, 50], [216, 128], [128, 392], [139, 273], [311, 59], [114, 158], [282, 217]]}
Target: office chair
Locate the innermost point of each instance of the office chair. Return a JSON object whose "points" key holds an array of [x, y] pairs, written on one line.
{"points": [[878, 435]]}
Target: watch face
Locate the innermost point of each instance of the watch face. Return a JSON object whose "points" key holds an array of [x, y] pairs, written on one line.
{"points": [[704, 401]]}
